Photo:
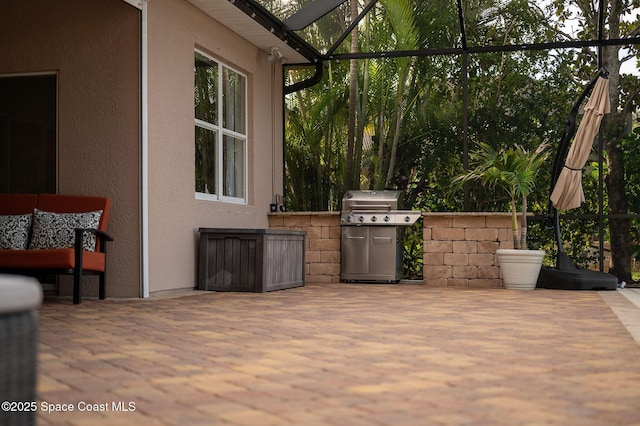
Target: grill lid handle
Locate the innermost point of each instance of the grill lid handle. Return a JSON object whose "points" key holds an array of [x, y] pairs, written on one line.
{"points": [[370, 206]]}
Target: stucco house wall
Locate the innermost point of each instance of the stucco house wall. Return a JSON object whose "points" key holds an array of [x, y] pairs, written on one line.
{"points": [[94, 49], [175, 30]]}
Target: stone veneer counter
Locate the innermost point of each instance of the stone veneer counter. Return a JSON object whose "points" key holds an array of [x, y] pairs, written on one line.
{"points": [[459, 248]]}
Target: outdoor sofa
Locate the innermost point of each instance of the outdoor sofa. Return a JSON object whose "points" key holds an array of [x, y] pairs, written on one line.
{"points": [[43, 234]]}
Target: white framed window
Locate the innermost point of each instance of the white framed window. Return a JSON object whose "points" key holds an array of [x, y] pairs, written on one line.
{"points": [[220, 99]]}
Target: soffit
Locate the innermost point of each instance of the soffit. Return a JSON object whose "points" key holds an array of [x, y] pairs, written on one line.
{"points": [[243, 24]]}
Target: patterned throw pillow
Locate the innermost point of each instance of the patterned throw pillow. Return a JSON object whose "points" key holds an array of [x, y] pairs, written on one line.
{"points": [[14, 231], [56, 230]]}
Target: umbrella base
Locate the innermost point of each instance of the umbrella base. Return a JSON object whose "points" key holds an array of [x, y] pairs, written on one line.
{"points": [[576, 279]]}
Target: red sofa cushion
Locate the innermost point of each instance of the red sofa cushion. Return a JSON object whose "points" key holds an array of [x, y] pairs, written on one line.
{"points": [[50, 259], [17, 203], [59, 203]]}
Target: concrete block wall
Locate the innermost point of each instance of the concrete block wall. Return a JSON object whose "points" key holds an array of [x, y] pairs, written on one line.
{"points": [[322, 250], [460, 248]]}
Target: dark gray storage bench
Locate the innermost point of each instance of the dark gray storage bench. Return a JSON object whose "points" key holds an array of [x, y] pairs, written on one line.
{"points": [[256, 260]]}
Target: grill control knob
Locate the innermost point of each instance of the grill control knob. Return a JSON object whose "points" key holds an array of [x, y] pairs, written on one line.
{"points": [[361, 218], [387, 218], [373, 218], [407, 219], [349, 218]]}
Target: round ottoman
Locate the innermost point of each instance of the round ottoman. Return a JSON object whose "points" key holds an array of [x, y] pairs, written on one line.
{"points": [[20, 298]]}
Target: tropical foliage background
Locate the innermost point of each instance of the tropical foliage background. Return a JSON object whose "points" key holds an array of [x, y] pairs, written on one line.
{"points": [[399, 122]]}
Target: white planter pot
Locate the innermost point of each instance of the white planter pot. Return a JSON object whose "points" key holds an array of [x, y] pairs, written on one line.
{"points": [[519, 269]]}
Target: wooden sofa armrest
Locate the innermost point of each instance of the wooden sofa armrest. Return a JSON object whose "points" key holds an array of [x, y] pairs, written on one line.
{"points": [[77, 270]]}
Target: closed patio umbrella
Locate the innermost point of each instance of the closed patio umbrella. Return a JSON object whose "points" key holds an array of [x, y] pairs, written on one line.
{"points": [[567, 193]]}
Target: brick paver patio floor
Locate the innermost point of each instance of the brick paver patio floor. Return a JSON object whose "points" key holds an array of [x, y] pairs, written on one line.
{"points": [[342, 354]]}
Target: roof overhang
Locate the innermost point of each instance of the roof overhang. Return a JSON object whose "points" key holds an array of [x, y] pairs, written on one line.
{"points": [[258, 26], [135, 3]]}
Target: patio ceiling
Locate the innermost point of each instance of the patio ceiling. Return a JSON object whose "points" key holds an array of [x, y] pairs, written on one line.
{"points": [[277, 23]]}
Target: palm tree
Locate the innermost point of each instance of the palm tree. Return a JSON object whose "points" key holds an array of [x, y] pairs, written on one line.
{"points": [[314, 162], [515, 171]]}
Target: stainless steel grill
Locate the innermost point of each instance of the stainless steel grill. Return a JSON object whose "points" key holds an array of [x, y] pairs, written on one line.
{"points": [[372, 236]]}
